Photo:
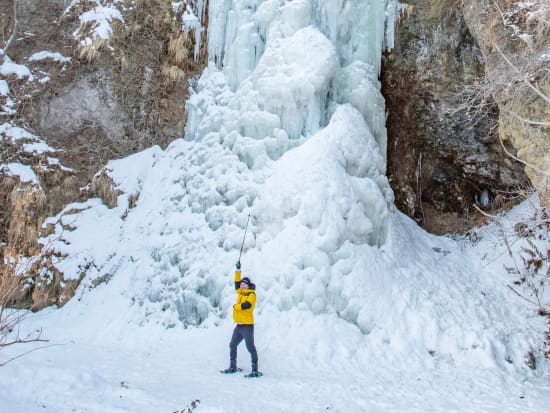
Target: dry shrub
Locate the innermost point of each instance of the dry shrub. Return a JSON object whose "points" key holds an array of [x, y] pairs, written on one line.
{"points": [[540, 22], [28, 281], [132, 200], [154, 59], [33, 282], [532, 260], [25, 207], [530, 21], [165, 20], [28, 203], [88, 53], [408, 10], [172, 74], [48, 285], [436, 9], [61, 189], [178, 49], [13, 284], [104, 187], [123, 62], [91, 52], [544, 196]]}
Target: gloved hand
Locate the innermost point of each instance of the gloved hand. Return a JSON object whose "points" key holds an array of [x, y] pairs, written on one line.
{"points": [[238, 265]]}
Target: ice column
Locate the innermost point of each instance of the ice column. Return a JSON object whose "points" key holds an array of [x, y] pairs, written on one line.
{"points": [[254, 43], [357, 29], [234, 40]]}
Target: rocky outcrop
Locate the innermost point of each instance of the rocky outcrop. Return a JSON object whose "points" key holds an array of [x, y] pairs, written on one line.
{"points": [[25, 205], [115, 96], [88, 98], [449, 99]]}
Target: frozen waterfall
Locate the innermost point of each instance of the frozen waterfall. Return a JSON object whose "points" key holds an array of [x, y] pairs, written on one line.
{"points": [[286, 123], [290, 103], [279, 71], [291, 63]]}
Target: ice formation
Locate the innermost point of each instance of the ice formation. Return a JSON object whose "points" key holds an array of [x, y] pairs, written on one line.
{"points": [[285, 124]]}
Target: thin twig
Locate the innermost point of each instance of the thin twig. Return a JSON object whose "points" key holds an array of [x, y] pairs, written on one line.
{"points": [[14, 33], [22, 341], [485, 213], [522, 296], [521, 160], [28, 352], [523, 77], [530, 122]]}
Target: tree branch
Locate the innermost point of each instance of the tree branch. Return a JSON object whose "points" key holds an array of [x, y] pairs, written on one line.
{"points": [[27, 352], [22, 341], [530, 122], [522, 296], [545, 173], [4, 51], [485, 213], [523, 77]]}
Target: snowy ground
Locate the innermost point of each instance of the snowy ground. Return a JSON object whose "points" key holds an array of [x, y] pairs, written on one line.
{"points": [[99, 360], [159, 371]]}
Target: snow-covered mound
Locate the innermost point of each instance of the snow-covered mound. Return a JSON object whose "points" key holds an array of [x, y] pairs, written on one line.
{"points": [[285, 124]]}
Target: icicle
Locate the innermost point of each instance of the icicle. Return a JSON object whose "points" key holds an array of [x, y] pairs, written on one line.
{"points": [[393, 9], [355, 28], [259, 46], [236, 41], [199, 32], [217, 21]]}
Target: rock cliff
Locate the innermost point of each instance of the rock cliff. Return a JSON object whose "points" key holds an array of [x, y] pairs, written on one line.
{"points": [[89, 82], [454, 88]]}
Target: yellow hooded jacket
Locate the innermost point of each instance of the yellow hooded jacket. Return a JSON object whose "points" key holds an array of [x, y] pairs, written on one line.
{"points": [[246, 300]]}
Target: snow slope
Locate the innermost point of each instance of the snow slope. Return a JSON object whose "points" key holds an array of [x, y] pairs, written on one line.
{"points": [[358, 309]]}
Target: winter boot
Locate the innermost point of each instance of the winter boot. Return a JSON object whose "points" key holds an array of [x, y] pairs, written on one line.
{"points": [[254, 372], [231, 370]]}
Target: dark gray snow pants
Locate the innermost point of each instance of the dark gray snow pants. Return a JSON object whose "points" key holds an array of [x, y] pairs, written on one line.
{"points": [[246, 332]]}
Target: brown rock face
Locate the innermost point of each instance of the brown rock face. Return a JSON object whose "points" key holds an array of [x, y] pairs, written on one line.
{"points": [[102, 101], [514, 38], [444, 151]]}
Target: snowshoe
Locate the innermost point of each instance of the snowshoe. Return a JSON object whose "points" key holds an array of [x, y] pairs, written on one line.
{"points": [[231, 370], [253, 374]]}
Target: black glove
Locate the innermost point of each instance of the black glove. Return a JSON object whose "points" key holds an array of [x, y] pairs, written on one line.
{"points": [[238, 265]]}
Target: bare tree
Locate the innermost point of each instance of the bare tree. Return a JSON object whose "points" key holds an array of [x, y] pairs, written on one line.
{"points": [[517, 47], [13, 32], [524, 78], [530, 24]]}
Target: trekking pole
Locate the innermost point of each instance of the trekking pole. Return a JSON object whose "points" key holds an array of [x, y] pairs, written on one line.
{"points": [[242, 246]]}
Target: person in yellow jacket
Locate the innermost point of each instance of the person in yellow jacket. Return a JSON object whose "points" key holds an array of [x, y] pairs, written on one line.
{"points": [[243, 315]]}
